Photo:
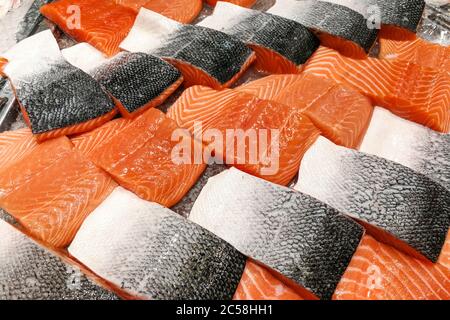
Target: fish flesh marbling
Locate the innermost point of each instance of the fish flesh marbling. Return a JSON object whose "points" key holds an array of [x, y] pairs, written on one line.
{"points": [[204, 56], [394, 203], [281, 45], [153, 253], [294, 234]]}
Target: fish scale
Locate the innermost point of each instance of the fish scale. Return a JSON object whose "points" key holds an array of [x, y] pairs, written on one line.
{"points": [[329, 18], [379, 193], [152, 252], [409, 144], [295, 234], [27, 271], [290, 39], [406, 14]]}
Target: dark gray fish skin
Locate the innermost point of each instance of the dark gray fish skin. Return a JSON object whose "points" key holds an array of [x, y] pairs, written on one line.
{"points": [[29, 272], [385, 194], [295, 234], [153, 253], [61, 96], [136, 79], [406, 14], [218, 54], [336, 20], [287, 37]]}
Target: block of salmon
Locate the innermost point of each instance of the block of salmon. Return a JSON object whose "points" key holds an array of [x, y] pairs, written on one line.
{"points": [[242, 3], [398, 18], [86, 143], [14, 145], [260, 283], [380, 272], [204, 56], [145, 158], [52, 190], [396, 204], [153, 253], [418, 51], [136, 81], [340, 112], [102, 23], [294, 234], [184, 11], [409, 90], [337, 26], [29, 272], [409, 144], [281, 45], [55, 97], [271, 155]]}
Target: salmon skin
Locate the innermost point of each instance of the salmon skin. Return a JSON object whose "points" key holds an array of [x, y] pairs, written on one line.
{"points": [[417, 51], [394, 203], [273, 224], [52, 190], [281, 45], [102, 23], [153, 253], [204, 56], [56, 98], [340, 112], [140, 158], [337, 26], [275, 160], [183, 11], [410, 91], [409, 144], [136, 81], [399, 18], [29, 272], [380, 272]]}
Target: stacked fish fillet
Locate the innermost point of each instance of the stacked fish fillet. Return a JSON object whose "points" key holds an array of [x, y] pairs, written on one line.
{"points": [[357, 207]]}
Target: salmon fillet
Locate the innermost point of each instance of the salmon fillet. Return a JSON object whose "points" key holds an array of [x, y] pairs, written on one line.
{"points": [[281, 45], [204, 56], [55, 97], [417, 51], [242, 3], [52, 190], [258, 283], [340, 112], [102, 23], [229, 109], [379, 272], [139, 158], [410, 91], [14, 145]]}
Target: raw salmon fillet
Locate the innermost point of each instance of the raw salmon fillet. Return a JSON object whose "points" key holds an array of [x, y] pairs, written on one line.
{"points": [[258, 283], [139, 158], [229, 109], [102, 23], [14, 145], [204, 56], [52, 190], [281, 45], [337, 26], [410, 91], [242, 3], [136, 81], [417, 51], [87, 142], [380, 272], [340, 112], [55, 97]]}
